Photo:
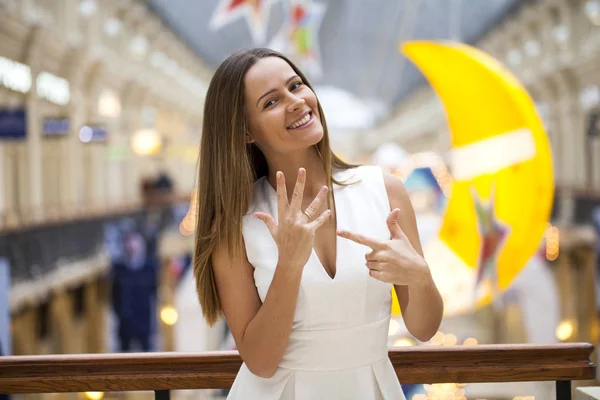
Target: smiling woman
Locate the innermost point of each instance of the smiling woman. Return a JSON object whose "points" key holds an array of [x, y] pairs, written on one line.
{"points": [[298, 249], [286, 116]]}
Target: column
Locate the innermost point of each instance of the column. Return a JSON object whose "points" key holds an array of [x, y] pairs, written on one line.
{"points": [[130, 124], [73, 197], [579, 137], [61, 312], [95, 321], [595, 143], [115, 161], [25, 326], [564, 274], [32, 194], [568, 144], [586, 293], [98, 176]]}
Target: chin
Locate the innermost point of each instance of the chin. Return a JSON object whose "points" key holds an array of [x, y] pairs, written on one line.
{"points": [[315, 136]]}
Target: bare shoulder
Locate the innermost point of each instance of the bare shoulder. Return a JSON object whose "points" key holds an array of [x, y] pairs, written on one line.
{"points": [[234, 278], [399, 198], [396, 192]]}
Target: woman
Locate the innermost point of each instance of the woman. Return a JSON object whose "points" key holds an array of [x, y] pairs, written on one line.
{"points": [[282, 232]]}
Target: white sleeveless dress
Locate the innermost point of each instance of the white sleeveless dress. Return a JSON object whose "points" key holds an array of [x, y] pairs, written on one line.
{"points": [[338, 345]]}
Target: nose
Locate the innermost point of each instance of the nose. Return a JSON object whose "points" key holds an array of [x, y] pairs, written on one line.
{"points": [[296, 103]]}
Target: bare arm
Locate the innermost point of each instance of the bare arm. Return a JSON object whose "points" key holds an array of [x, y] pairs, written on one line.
{"points": [[421, 304], [261, 332]]}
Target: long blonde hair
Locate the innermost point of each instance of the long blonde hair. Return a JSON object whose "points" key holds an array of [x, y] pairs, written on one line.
{"points": [[229, 167]]}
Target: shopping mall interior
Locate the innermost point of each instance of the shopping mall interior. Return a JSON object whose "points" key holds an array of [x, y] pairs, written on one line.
{"points": [[487, 110]]}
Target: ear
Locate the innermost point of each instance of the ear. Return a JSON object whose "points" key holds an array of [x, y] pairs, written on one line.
{"points": [[249, 138]]}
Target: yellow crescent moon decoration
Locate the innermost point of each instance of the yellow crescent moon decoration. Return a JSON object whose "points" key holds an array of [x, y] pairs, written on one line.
{"points": [[500, 151]]}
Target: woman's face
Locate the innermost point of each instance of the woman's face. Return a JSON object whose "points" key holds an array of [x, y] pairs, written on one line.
{"points": [[283, 114]]}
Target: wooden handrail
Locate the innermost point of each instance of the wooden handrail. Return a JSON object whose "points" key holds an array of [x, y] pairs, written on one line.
{"points": [[170, 371]]}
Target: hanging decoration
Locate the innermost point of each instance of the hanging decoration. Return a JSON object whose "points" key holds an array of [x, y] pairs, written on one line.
{"points": [[256, 13], [500, 153], [299, 35], [493, 234]]}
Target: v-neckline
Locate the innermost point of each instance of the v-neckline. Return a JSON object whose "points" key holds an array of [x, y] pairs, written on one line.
{"points": [[321, 266]]}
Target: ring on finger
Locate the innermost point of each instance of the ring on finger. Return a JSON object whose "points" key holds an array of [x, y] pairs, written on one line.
{"points": [[307, 215]]}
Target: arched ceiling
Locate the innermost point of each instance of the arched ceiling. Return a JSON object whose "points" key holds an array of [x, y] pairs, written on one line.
{"points": [[358, 39]]}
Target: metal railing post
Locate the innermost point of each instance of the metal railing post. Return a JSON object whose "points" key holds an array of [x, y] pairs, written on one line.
{"points": [[162, 395], [563, 390]]}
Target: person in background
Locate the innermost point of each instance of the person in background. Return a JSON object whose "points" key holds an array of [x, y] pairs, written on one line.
{"points": [[134, 286]]}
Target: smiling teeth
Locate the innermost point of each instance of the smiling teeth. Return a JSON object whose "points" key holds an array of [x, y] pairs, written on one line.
{"points": [[301, 122]]}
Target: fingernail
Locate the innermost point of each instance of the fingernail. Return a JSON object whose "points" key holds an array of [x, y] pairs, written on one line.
{"points": [[301, 171], [328, 212]]}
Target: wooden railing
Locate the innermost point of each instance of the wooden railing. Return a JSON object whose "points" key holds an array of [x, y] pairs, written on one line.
{"points": [[163, 372]]}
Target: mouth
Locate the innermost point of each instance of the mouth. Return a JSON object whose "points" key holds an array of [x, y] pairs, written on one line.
{"points": [[303, 122]]}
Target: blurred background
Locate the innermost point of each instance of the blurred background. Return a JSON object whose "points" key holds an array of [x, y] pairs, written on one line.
{"points": [[498, 144]]}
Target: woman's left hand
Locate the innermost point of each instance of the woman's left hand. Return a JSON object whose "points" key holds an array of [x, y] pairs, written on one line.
{"points": [[393, 261]]}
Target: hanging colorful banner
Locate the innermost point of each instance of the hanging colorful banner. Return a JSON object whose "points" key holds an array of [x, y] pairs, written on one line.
{"points": [[299, 36], [256, 13]]}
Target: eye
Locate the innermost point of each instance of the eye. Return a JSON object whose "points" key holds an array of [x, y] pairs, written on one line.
{"points": [[295, 86], [269, 103]]}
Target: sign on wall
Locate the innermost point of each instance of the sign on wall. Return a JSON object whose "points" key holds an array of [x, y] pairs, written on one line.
{"points": [[55, 127], [13, 124], [93, 133]]}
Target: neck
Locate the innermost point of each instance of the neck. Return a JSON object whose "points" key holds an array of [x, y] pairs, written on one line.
{"points": [[291, 163]]}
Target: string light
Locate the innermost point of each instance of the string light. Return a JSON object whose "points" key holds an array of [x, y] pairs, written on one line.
{"points": [[449, 340], [404, 342], [454, 391], [565, 330], [552, 236], [168, 315]]}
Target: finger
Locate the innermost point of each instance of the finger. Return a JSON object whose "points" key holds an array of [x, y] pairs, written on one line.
{"points": [[380, 275], [372, 264], [374, 273], [317, 223], [298, 190], [282, 199], [371, 256], [393, 226], [268, 220], [360, 239], [380, 256], [317, 203]]}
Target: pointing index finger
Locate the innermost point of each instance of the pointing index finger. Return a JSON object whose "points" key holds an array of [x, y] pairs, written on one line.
{"points": [[360, 239]]}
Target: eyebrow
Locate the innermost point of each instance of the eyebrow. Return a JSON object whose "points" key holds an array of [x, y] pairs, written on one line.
{"points": [[274, 90]]}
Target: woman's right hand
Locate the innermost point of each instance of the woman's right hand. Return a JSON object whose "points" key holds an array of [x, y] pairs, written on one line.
{"points": [[295, 232]]}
